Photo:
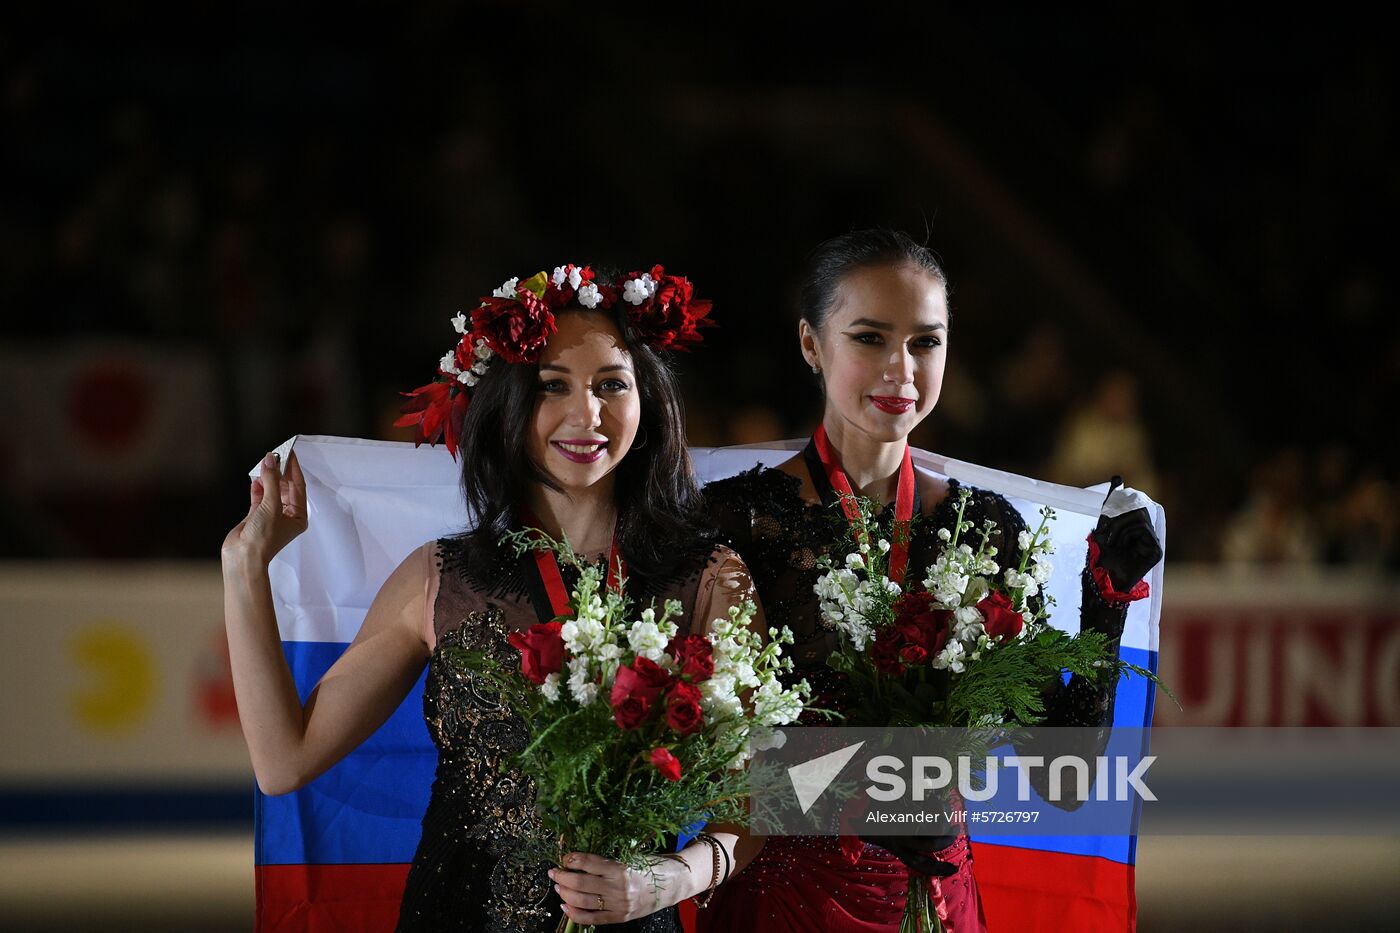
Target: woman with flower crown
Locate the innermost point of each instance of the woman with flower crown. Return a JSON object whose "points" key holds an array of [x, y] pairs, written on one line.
{"points": [[568, 420], [875, 330]]}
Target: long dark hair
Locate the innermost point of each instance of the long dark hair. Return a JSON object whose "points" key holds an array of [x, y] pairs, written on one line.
{"points": [[657, 496], [830, 262]]}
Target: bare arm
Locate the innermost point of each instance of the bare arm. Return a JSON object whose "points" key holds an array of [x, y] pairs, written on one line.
{"points": [[290, 744]]}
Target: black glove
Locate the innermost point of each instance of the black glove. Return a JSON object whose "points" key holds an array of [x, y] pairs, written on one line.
{"points": [[1128, 547], [914, 851]]}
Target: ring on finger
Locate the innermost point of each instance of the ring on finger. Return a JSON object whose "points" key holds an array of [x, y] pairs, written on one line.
{"points": [[602, 905]]}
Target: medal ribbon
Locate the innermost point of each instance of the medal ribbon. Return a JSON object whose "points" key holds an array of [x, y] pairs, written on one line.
{"points": [[553, 579], [903, 499]]}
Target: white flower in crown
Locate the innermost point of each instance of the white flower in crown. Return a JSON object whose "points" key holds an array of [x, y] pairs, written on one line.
{"points": [[560, 272], [507, 290], [637, 291], [481, 350], [468, 378], [448, 363], [589, 296], [459, 323], [550, 687]]}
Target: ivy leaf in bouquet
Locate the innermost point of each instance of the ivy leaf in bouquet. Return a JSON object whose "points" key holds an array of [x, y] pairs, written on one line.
{"points": [[636, 731]]}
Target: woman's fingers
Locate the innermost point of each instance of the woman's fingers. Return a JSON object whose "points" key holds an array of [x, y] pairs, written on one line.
{"points": [[587, 878], [591, 918], [271, 477], [581, 883], [593, 864], [296, 485]]}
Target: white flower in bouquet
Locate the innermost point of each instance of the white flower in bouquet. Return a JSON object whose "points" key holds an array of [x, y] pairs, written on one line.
{"points": [[774, 706], [1024, 582], [951, 657], [1041, 570], [967, 624], [648, 639]]}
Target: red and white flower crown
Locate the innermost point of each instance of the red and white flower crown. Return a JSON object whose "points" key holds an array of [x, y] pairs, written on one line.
{"points": [[516, 320]]}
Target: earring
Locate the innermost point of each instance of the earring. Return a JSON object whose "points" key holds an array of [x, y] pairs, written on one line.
{"points": [[645, 438], [816, 369]]}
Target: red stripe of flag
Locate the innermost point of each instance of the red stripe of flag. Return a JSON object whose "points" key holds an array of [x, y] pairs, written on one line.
{"points": [[1029, 890], [326, 898]]}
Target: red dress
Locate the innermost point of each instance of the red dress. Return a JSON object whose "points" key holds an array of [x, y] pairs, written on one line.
{"points": [[807, 883]]}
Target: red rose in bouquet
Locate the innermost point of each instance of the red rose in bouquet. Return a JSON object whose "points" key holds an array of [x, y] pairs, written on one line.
{"points": [[683, 708], [921, 625], [541, 650], [636, 690], [666, 763], [693, 657], [514, 328], [1002, 621], [884, 654]]}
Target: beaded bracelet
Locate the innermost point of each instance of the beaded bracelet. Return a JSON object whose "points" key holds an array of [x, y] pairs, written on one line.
{"points": [[703, 900], [727, 864]]}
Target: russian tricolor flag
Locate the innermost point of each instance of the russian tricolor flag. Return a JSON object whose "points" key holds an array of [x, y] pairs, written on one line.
{"points": [[334, 855]]}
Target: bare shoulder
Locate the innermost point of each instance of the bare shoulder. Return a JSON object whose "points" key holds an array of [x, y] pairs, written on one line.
{"points": [[796, 467], [932, 491], [407, 596], [724, 560]]}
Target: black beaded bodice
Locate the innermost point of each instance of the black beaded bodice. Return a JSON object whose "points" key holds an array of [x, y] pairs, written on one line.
{"points": [[478, 864]]}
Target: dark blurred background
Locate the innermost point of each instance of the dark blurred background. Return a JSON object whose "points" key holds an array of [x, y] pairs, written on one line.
{"points": [[1166, 235]]}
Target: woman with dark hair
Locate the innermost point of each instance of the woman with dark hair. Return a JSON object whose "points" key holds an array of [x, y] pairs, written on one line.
{"points": [[874, 329], [568, 420]]}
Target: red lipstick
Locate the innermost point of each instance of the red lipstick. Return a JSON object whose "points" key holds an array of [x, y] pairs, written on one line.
{"points": [[892, 404]]}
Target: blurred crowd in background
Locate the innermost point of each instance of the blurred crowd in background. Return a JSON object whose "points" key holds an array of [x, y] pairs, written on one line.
{"points": [[1168, 252]]}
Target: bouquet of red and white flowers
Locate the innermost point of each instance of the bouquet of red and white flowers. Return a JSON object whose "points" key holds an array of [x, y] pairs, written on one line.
{"points": [[635, 730], [968, 646]]}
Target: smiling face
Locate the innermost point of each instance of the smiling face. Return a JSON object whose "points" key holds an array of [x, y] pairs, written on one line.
{"points": [[881, 349], [587, 407]]}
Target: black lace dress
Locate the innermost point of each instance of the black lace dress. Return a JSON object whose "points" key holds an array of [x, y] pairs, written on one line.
{"points": [[469, 873]]}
